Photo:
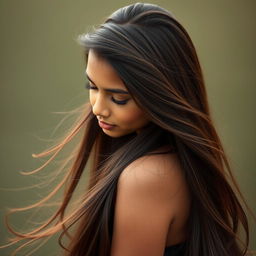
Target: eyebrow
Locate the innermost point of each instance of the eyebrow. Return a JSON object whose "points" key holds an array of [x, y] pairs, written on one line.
{"points": [[108, 89]]}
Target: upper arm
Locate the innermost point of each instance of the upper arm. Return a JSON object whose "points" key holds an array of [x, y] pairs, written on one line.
{"points": [[145, 206]]}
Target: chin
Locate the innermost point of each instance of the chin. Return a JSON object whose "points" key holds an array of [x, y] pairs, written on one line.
{"points": [[114, 134]]}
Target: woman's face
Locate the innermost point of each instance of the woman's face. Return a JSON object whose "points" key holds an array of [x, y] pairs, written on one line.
{"points": [[116, 111]]}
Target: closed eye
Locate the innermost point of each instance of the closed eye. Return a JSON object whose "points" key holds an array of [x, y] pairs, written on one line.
{"points": [[119, 102]]}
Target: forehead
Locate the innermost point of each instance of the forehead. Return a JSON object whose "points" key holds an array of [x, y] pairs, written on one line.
{"points": [[102, 73]]}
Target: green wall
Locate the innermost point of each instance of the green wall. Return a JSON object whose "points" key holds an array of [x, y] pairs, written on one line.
{"points": [[42, 72]]}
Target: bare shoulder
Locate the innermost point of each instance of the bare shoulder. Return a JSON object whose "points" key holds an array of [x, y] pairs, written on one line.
{"points": [[161, 172], [150, 193]]}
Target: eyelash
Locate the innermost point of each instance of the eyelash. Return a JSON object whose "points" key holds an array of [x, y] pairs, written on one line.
{"points": [[119, 102]]}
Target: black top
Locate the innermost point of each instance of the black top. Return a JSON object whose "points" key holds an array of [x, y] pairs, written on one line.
{"points": [[175, 250]]}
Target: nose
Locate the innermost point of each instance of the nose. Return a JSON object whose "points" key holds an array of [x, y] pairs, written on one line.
{"points": [[99, 106]]}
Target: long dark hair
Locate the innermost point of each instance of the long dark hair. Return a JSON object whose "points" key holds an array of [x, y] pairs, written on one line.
{"points": [[155, 58]]}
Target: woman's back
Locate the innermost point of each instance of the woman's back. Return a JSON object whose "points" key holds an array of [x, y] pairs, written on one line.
{"points": [[146, 89], [152, 206]]}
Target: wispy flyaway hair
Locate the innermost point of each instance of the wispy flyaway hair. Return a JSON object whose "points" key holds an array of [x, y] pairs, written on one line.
{"points": [[155, 58]]}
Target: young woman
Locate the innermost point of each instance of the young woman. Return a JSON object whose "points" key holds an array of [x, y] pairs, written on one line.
{"points": [[159, 181]]}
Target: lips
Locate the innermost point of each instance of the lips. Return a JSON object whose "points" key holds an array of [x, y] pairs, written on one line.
{"points": [[106, 125]]}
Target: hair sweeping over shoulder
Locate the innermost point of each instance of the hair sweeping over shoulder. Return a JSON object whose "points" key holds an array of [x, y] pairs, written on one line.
{"points": [[155, 58]]}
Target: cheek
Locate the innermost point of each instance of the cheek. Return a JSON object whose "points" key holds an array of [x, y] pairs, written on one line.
{"points": [[132, 117]]}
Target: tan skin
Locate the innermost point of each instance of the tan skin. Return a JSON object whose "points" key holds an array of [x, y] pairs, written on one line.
{"points": [[127, 117], [152, 205]]}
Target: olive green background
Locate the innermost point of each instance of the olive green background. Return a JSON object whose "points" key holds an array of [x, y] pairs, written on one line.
{"points": [[42, 71]]}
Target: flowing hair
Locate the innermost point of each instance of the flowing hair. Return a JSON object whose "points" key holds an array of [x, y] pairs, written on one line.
{"points": [[155, 58]]}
